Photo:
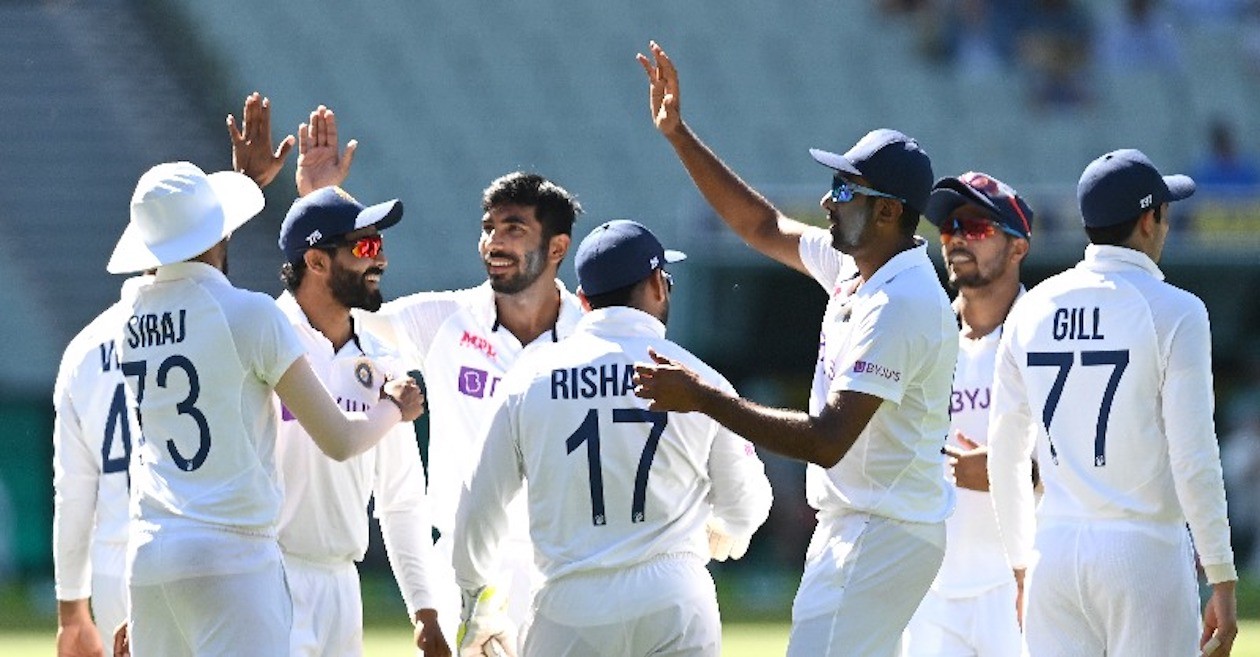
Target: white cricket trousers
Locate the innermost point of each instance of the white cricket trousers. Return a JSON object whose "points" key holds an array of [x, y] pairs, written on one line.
{"points": [[864, 577], [981, 625], [237, 615], [327, 608], [664, 607], [1120, 588]]}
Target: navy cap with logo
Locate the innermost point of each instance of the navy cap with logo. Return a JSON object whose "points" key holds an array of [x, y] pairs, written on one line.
{"points": [[618, 254], [891, 163], [1123, 184], [323, 216], [997, 198]]}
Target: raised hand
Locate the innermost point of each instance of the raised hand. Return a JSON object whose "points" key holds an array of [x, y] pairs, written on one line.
{"points": [[663, 96], [668, 384], [251, 143], [970, 463], [320, 163], [406, 394]]}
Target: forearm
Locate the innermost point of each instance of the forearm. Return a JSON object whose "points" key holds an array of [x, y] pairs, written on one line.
{"points": [[790, 433], [745, 210], [73, 612]]}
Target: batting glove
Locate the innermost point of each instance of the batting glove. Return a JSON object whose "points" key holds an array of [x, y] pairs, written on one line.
{"points": [[723, 544], [485, 629]]}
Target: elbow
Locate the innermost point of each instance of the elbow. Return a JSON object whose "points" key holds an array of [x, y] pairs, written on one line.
{"points": [[336, 451], [827, 455]]}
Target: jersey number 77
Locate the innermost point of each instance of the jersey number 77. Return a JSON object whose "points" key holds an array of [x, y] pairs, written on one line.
{"points": [[1118, 359]]}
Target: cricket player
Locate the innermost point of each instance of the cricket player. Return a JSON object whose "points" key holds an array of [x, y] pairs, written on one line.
{"points": [[618, 508], [985, 230], [1106, 370], [92, 440], [465, 341], [878, 410], [200, 359], [334, 260]]}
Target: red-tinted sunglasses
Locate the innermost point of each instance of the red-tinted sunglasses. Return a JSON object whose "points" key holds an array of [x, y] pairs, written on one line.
{"points": [[368, 246], [973, 229]]}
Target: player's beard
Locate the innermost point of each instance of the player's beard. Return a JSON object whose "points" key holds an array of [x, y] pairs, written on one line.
{"points": [[982, 273], [532, 268], [351, 289], [846, 233]]}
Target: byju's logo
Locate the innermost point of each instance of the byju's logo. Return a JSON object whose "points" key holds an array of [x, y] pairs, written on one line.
{"points": [[472, 382]]}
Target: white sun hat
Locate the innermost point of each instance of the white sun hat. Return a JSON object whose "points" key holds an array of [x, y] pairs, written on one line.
{"points": [[178, 212]]}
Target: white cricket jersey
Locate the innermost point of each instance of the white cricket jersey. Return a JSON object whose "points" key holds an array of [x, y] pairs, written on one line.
{"points": [[1108, 370], [611, 484], [462, 351], [975, 561], [324, 515], [92, 440], [895, 337], [201, 358]]}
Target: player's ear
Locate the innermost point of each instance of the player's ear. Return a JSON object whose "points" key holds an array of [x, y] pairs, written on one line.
{"points": [[586, 304], [317, 260], [1019, 249], [557, 247]]}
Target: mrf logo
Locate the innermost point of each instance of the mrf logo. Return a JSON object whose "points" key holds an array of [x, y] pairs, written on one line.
{"points": [[477, 342], [863, 367]]}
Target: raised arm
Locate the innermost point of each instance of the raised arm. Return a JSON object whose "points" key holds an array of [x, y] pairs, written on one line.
{"points": [[320, 162], [746, 211], [337, 434], [252, 154]]}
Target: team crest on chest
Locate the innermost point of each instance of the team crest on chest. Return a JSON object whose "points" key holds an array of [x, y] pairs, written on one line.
{"points": [[363, 373]]}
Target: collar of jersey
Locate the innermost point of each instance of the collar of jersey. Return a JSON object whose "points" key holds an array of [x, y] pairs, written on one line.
{"points": [[297, 317], [1105, 257], [570, 310], [915, 256], [621, 320], [189, 269]]}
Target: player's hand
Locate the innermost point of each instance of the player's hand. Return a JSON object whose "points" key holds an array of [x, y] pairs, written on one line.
{"points": [[1220, 620], [663, 94], [251, 144], [668, 384], [320, 163], [485, 629], [970, 463], [79, 640], [122, 641], [406, 393], [428, 636], [723, 544]]}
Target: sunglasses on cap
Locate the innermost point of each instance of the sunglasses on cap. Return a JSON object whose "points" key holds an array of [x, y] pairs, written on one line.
{"points": [[368, 246], [973, 229], [842, 191]]}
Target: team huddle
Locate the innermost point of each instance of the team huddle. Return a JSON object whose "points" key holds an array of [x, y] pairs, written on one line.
{"points": [[1005, 474]]}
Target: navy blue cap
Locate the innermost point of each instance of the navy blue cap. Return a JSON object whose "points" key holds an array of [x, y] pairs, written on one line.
{"points": [[328, 213], [1000, 200], [618, 254], [1122, 184], [891, 163]]}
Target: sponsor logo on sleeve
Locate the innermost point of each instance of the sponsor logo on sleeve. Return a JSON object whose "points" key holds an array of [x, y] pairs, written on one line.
{"points": [[863, 367]]}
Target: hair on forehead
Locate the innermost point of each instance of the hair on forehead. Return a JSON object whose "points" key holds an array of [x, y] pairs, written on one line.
{"points": [[555, 208]]}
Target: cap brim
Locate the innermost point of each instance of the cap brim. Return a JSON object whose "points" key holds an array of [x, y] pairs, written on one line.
{"points": [[837, 162], [1179, 187], [674, 256], [948, 194], [381, 215], [239, 197]]}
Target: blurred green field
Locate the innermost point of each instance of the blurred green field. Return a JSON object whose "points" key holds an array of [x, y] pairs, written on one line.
{"points": [[739, 640]]}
